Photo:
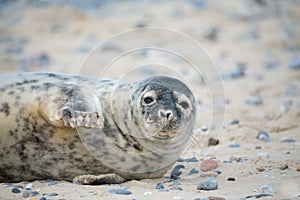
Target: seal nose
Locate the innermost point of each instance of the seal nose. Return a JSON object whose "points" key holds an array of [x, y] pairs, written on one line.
{"points": [[167, 114]]}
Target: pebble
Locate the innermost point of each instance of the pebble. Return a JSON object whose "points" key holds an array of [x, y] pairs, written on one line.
{"points": [[287, 139], [254, 101], [234, 145], [193, 159], [209, 174], [208, 165], [271, 65], [122, 191], [236, 73], [263, 154], [192, 171], [50, 194], [211, 33], [286, 106], [159, 186], [201, 199], [267, 189], [148, 193], [263, 136], [257, 196], [231, 179], [215, 198], [284, 167], [175, 188], [294, 63], [43, 198], [213, 142], [176, 172], [233, 122], [15, 190], [26, 193], [298, 168], [207, 185], [239, 159]]}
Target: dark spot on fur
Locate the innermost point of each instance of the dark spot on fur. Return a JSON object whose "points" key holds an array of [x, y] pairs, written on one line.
{"points": [[11, 133], [71, 145], [5, 109]]}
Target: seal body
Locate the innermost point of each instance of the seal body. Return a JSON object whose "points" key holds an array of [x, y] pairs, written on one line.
{"points": [[62, 126]]}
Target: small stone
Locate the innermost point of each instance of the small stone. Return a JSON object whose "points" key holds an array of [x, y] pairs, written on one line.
{"points": [[43, 198], [207, 185], [176, 172], [234, 145], [258, 147], [231, 179], [193, 159], [239, 159], [201, 199], [258, 196], [29, 186], [236, 73], [159, 186], [148, 193], [286, 106], [218, 172], [209, 174], [227, 161], [233, 122], [284, 167], [254, 101], [15, 190], [50, 194], [180, 159], [267, 189], [298, 168], [192, 171], [121, 191], [216, 198], [263, 154], [204, 128], [211, 33], [208, 165], [294, 63], [26, 193], [271, 65], [213, 142], [263, 136], [287, 139]]}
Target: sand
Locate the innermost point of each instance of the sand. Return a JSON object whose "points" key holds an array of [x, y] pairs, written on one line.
{"points": [[254, 45]]}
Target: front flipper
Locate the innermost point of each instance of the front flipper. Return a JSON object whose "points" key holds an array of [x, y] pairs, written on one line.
{"points": [[99, 180], [76, 119]]}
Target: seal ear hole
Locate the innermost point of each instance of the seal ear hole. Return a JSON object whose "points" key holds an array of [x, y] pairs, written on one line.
{"points": [[148, 100], [184, 104]]}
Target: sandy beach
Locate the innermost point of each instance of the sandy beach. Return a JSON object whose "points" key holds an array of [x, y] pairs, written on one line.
{"points": [[253, 135]]}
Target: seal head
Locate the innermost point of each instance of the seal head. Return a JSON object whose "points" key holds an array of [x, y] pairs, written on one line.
{"points": [[163, 107]]}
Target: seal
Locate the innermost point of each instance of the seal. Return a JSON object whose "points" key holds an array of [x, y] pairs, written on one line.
{"points": [[90, 130]]}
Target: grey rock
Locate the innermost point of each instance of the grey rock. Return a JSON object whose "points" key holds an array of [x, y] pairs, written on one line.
{"points": [[234, 74], [159, 186], [233, 122], [284, 167], [234, 144], [192, 171], [207, 185], [176, 172], [287, 139], [258, 196], [267, 189], [263, 154], [254, 101], [294, 63], [263, 136], [121, 191], [53, 194], [43, 198], [15, 190]]}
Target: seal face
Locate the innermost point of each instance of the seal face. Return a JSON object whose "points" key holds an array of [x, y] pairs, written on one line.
{"points": [[63, 126]]}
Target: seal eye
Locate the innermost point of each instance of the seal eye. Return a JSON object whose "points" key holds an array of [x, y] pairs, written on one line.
{"points": [[184, 104], [148, 100]]}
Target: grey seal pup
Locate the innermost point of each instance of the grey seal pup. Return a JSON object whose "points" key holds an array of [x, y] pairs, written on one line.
{"points": [[90, 130]]}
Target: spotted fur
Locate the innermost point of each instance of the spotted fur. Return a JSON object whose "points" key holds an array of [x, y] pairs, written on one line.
{"points": [[41, 115]]}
